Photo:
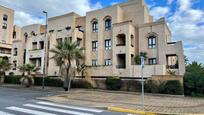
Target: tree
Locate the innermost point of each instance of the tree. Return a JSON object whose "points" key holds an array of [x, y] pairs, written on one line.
{"points": [[186, 60], [138, 57], [4, 66], [67, 52], [194, 79], [28, 80]]}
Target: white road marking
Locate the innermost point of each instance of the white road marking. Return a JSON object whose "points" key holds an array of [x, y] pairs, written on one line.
{"points": [[34, 112], [5, 113], [56, 109], [70, 107]]}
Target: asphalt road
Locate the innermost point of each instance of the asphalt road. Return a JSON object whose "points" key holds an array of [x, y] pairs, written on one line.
{"points": [[21, 101]]}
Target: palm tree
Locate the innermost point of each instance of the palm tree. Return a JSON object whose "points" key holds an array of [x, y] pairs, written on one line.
{"points": [[4, 66], [67, 52], [81, 69], [28, 79]]}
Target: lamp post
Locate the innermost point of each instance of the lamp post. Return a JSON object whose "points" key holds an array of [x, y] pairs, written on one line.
{"points": [[46, 51], [142, 75]]}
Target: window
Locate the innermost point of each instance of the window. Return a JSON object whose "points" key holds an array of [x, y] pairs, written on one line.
{"points": [[152, 61], [51, 31], [94, 62], [108, 62], [94, 45], [15, 64], [41, 44], [132, 40], [108, 44], [108, 24], [14, 34], [15, 52], [5, 17], [4, 26], [35, 45], [152, 42], [95, 26], [33, 62], [79, 40], [59, 40], [68, 38]]}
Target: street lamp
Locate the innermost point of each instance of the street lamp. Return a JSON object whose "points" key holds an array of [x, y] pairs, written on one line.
{"points": [[142, 75], [46, 51]]}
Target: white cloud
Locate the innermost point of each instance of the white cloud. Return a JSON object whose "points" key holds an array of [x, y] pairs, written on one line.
{"points": [[170, 2], [34, 8], [158, 12], [187, 25], [23, 18]]}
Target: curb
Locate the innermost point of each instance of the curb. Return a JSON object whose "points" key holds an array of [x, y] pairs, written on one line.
{"points": [[140, 112]]}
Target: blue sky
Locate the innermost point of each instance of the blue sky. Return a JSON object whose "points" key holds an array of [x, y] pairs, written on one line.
{"points": [[184, 17]]}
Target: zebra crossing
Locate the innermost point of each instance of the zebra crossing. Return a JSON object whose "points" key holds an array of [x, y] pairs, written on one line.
{"points": [[48, 108]]}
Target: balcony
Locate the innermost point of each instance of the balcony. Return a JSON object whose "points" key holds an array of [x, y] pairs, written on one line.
{"points": [[120, 50], [120, 66], [172, 66], [37, 53], [121, 40], [174, 48]]}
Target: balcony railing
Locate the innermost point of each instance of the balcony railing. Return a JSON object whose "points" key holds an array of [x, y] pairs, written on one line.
{"points": [[171, 43], [5, 52], [172, 66], [120, 44], [120, 66]]}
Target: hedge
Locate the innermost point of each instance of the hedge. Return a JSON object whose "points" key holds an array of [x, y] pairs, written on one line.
{"points": [[173, 87], [49, 81], [12, 79], [113, 83]]}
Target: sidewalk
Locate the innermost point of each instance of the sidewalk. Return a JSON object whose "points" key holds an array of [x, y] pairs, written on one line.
{"points": [[130, 100]]}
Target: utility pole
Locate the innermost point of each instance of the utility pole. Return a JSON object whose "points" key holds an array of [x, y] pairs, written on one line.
{"points": [[46, 51], [142, 75]]}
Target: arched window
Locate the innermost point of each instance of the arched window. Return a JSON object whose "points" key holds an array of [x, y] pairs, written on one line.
{"points": [[5, 17], [108, 24], [95, 26], [151, 42]]}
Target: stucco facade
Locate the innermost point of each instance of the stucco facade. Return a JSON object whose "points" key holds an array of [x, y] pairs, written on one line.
{"points": [[112, 37], [6, 31]]}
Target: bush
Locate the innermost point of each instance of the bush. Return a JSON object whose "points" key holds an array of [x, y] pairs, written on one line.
{"points": [[48, 82], [81, 83], [12, 79], [55, 82], [113, 83], [171, 87], [134, 85], [151, 87]]}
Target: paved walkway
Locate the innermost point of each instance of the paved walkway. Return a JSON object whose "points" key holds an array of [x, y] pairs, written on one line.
{"points": [[130, 100]]}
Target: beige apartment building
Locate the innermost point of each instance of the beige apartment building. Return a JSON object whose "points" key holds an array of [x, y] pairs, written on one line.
{"points": [[112, 38], [6, 31]]}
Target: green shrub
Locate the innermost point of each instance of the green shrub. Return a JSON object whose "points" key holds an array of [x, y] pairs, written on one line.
{"points": [[134, 85], [113, 83], [12, 79], [151, 87], [53, 82], [171, 87], [81, 83]]}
